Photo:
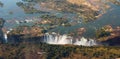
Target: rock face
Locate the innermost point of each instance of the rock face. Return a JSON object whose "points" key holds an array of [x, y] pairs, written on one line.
{"points": [[112, 41], [1, 32]]}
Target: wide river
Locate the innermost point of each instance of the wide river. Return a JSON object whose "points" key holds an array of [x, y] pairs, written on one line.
{"points": [[10, 11]]}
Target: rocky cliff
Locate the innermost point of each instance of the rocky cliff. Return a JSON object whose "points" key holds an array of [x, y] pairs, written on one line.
{"points": [[1, 32]]}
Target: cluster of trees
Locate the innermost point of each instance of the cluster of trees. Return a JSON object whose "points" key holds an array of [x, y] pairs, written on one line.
{"points": [[29, 8], [59, 52], [47, 23], [54, 20], [102, 33], [26, 34], [46, 51], [64, 6], [76, 7], [10, 51]]}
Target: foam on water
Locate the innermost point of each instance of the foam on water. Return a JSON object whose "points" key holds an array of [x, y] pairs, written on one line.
{"points": [[65, 39]]}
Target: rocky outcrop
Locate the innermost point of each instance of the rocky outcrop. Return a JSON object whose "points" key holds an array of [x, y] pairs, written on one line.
{"points": [[88, 10], [25, 34], [112, 41], [1, 32], [110, 36]]}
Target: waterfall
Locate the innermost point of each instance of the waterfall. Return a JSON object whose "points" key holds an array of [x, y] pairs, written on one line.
{"points": [[85, 42], [5, 38], [54, 38]]}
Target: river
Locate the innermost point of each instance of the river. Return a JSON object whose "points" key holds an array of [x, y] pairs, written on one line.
{"points": [[10, 12]]}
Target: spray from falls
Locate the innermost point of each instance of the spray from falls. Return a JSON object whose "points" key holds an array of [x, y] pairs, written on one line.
{"points": [[6, 37], [55, 38], [65, 39], [85, 42]]}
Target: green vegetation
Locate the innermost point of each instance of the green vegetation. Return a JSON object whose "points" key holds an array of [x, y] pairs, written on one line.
{"points": [[85, 12], [28, 31], [102, 33], [29, 8], [63, 6], [53, 20], [88, 12], [46, 24], [45, 51], [26, 39]]}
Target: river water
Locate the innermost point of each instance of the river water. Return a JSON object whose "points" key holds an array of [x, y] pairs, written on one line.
{"points": [[10, 11]]}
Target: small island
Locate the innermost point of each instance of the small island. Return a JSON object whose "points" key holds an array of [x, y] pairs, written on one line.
{"points": [[60, 29]]}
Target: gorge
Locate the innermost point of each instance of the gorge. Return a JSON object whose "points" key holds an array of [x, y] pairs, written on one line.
{"points": [[1, 32]]}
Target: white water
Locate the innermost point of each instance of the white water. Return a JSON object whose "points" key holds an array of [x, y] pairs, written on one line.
{"points": [[65, 39], [54, 38], [5, 38]]}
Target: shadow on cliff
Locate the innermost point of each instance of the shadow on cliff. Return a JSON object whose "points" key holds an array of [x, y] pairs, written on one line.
{"points": [[112, 41], [16, 39]]}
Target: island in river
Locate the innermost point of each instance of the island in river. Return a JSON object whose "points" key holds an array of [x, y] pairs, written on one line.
{"points": [[60, 29]]}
